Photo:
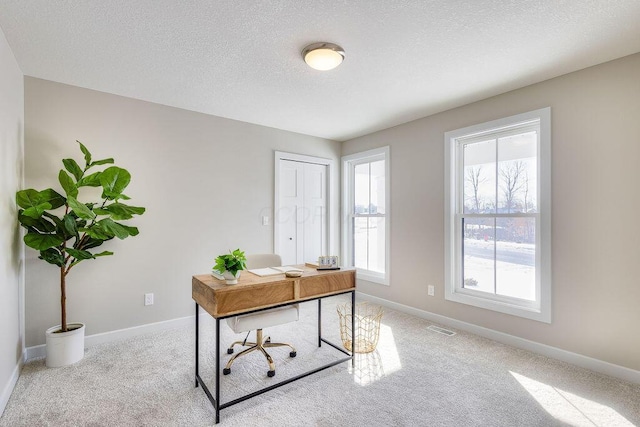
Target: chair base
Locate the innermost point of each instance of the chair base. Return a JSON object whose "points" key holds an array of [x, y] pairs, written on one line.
{"points": [[259, 345]]}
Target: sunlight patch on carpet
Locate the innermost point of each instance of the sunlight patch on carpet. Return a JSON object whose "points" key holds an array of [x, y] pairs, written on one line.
{"points": [[570, 408], [383, 361]]}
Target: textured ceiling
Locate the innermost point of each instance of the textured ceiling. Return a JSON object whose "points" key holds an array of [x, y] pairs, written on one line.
{"points": [[241, 59]]}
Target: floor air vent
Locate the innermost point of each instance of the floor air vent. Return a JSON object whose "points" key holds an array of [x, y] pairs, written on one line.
{"points": [[441, 330]]}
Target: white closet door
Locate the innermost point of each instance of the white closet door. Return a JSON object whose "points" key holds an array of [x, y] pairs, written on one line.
{"points": [[301, 212]]}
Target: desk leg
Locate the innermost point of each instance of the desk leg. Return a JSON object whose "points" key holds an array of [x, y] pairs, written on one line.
{"points": [[217, 370], [197, 337], [353, 329], [320, 323]]}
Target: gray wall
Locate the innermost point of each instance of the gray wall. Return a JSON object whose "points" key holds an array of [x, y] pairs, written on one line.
{"points": [[595, 200], [11, 252], [205, 181]]}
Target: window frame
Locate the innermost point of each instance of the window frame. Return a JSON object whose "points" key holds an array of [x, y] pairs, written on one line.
{"points": [[454, 141], [348, 207]]}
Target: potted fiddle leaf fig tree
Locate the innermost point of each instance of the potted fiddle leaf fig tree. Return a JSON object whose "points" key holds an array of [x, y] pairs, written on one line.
{"points": [[67, 231], [230, 265]]}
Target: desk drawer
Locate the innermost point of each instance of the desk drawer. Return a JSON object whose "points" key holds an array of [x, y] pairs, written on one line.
{"points": [[256, 296]]}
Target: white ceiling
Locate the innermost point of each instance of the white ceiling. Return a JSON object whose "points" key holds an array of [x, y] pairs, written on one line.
{"points": [[241, 59]]}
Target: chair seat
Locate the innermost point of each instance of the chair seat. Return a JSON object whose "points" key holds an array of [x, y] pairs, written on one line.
{"points": [[264, 319]]}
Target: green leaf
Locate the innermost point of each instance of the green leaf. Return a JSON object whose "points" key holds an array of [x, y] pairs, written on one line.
{"points": [[92, 243], [79, 254], [40, 224], [114, 180], [27, 198], [70, 226], [92, 180], [87, 154], [102, 162], [133, 231], [120, 211], [52, 256], [30, 198], [79, 209], [42, 241], [37, 211], [97, 233], [51, 196], [67, 184], [113, 228], [73, 167], [103, 253]]}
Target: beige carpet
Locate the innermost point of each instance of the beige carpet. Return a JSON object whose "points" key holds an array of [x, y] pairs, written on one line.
{"points": [[416, 377]]}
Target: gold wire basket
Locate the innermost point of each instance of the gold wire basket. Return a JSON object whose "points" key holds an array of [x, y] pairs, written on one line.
{"points": [[367, 326]]}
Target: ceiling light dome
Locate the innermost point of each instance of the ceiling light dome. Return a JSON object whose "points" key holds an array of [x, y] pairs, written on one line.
{"points": [[323, 56]]}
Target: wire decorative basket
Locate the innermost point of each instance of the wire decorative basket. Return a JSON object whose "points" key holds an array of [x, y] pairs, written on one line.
{"points": [[367, 326]]}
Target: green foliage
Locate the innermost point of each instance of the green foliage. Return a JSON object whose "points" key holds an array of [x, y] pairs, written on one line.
{"points": [[231, 262], [65, 230]]}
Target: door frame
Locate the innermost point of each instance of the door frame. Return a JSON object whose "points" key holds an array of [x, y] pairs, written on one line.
{"points": [[303, 158]]}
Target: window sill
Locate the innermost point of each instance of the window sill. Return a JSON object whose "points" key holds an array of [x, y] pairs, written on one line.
{"points": [[542, 314], [371, 276]]}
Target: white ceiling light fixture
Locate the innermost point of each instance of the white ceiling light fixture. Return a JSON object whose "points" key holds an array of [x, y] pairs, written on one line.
{"points": [[323, 56]]}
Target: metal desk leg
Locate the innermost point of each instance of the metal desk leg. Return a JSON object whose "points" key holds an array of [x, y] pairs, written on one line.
{"points": [[319, 322], [353, 329], [217, 370], [197, 336]]}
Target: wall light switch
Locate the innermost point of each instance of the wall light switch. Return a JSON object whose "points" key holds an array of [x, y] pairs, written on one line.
{"points": [[431, 290], [265, 220]]}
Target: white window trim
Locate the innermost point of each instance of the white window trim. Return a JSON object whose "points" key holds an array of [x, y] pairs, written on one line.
{"points": [[347, 198], [541, 309]]}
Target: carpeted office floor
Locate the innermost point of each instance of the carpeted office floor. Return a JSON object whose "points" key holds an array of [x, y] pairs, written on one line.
{"points": [[416, 377]]}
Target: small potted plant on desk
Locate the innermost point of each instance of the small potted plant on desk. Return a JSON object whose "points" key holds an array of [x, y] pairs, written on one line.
{"points": [[230, 265]]}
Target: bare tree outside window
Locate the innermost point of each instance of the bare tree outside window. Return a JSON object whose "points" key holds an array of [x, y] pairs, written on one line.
{"points": [[474, 178], [512, 182]]}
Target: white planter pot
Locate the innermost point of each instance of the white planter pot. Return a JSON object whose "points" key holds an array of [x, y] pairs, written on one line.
{"points": [[64, 348], [230, 279]]}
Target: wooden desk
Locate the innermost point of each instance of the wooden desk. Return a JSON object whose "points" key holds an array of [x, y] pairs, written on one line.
{"points": [[254, 293]]}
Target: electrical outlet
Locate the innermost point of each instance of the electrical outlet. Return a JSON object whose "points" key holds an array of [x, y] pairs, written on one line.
{"points": [[148, 299], [431, 290]]}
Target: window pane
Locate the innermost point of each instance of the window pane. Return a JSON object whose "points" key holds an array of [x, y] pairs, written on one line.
{"points": [[376, 244], [516, 258], [377, 187], [517, 174], [478, 248], [361, 188], [369, 243], [479, 177], [360, 231]]}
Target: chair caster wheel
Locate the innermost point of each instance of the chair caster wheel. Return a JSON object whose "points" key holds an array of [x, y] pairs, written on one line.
{"points": [[293, 354], [226, 371], [229, 351], [271, 373]]}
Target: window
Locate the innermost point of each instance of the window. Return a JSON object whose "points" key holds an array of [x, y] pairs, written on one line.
{"points": [[366, 214], [497, 215]]}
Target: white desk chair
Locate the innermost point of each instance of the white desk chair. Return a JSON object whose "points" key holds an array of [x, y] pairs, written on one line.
{"points": [[262, 319]]}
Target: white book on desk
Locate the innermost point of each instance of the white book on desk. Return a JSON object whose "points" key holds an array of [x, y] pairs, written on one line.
{"points": [[268, 271]]}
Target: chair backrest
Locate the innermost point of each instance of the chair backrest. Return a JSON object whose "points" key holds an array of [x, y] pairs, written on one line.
{"points": [[263, 260]]}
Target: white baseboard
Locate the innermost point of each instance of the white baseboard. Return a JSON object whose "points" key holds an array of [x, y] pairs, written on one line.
{"points": [[39, 351], [8, 388], [596, 365]]}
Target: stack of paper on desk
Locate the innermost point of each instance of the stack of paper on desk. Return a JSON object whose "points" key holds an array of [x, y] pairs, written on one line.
{"points": [[272, 271], [268, 271]]}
